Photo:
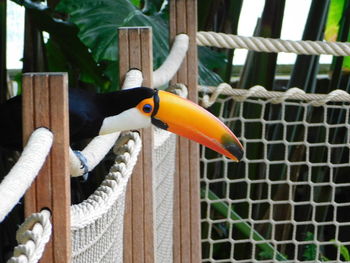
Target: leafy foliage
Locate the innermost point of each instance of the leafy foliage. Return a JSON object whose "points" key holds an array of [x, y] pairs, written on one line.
{"points": [[101, 35], [337, 11]]}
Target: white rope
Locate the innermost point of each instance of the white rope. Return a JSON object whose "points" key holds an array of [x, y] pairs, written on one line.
{"points": [[222, 40], [274, 96], [207, 101], [178, 89], [103, 198], [23, 173], [32, 236], [133, 79], [94, 152], [172, 63]]}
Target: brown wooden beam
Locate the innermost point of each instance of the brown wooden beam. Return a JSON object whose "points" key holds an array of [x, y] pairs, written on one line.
{"points": [[187, 242], [45, 104], [135, 51]]}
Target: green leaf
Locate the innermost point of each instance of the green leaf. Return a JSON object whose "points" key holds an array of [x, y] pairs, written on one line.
{"points": [[334, 16], [310, 252], [98, 22], [209, 60], [343, 250], [136, 3], [152, 6], [207, 77]]}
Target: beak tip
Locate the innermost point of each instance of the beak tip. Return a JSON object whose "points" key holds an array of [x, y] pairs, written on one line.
{"points": [[235, 150]]}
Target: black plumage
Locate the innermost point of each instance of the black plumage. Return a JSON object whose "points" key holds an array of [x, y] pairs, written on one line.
{"points": [[87, 110]]}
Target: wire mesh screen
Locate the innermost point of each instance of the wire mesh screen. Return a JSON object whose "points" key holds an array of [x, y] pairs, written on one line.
{"points": [[289, 198]]}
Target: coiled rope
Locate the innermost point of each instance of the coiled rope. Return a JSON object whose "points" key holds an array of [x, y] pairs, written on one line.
{"points": [[274, 96], [32, 237], [261, 44]]}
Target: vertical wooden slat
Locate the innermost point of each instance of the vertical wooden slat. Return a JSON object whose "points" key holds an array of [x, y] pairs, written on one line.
{"points": [[28, 127], [147, 149], [123, 48], [45, 104], [60, 174], [187, 246], [135, 50], [177, 194], [192, 68], [124, 65], [42, 118], [43, 181], [137, 180]]}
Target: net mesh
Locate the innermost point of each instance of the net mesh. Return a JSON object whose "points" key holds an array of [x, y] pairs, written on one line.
{"points": [[288, 199], [101, 240], [163, 183], [97, 222]]}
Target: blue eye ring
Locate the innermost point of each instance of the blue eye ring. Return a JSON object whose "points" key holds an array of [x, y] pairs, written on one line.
{"points": [[147, 108]]}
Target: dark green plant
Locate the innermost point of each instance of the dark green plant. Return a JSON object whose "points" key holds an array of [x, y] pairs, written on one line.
{"points": [[343, 250]]}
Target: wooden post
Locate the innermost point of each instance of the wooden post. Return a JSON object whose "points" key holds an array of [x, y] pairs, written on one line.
{"points": [[187, 242], [45, 104], [135, 51]]}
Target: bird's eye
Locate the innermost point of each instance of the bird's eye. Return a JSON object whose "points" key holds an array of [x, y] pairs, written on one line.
{"points": [[147, 108]]}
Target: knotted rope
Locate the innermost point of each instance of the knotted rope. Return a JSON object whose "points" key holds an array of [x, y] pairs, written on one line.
{"points": [[274, 96], [178, 89], [32, 236]]}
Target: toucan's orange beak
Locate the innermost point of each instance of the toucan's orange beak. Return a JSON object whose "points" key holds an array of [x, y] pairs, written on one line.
{"points": [[187, 119]]}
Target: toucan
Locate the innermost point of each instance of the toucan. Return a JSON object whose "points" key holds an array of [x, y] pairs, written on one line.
{"points": [[93, 114]]}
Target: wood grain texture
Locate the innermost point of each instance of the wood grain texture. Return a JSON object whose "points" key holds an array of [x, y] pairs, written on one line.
{"points": [[192, 68], [187, 243], [147, 149], [45, 104], [138, 222], [42, 119], [28, 127], [123, 47], [60, 174], [124, 66], [137, 179]]}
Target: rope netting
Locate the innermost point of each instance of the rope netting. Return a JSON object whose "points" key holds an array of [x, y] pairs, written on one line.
{"points": [[97, 222], [288, 197], [163, 185]]}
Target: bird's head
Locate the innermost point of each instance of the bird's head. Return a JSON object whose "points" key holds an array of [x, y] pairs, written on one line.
{"points": [[175, 114]]}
